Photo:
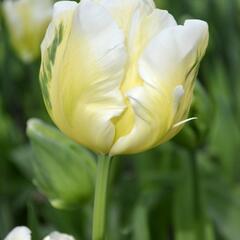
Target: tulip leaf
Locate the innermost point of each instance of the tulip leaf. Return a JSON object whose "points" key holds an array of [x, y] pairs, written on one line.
{"points": [[190, 219], [63, 170]]}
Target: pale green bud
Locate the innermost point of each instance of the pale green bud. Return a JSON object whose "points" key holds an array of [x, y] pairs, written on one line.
{"points": [[64, 171]]}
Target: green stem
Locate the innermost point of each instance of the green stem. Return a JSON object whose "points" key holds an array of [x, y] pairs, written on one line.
{"points": [[100, 200]]}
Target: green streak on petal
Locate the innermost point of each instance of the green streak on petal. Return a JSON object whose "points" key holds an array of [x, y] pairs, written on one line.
{"points": [[47, 65]]}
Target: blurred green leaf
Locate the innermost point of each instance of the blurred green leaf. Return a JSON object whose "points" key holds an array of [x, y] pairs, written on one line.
{"points": [[22, 157], [6, 220], [64, 171], [224, 137], [230, 224], [189, 203], [140, 223], [191, 234]]}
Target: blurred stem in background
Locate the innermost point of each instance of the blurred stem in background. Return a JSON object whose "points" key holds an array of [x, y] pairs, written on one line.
{"points": [[101, 197], [197, 198]]}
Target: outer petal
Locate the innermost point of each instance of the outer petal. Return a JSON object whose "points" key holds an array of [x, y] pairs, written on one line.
{"points": [[84, 90], [168, 67], [19, 233], [58, 236], [201, 42], [53, 46], [173, 53]]}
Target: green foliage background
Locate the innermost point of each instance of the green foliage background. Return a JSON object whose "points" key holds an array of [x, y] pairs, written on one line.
{"points": [[187, 189]]}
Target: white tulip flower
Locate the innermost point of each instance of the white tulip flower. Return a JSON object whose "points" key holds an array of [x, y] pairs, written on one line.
{"points": [[118, 76]]}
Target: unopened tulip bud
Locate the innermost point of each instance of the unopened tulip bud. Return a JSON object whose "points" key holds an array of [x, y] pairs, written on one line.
{"points": [[27, 21]]}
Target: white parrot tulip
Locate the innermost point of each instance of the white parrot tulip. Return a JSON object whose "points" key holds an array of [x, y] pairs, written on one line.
{"points": [[117, 76]]}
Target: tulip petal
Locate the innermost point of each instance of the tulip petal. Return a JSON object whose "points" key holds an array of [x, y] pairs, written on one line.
{"points": [[154, 23], [85, 84], [123, 10], [58, 236], [183, 48], [143, 29], [52, 46], [173, 52], [19, 233], [63, 7], [172, 58], [62, 12], [139, 19], [152, 119], [177, 95], [183, 122], [168, 67]]}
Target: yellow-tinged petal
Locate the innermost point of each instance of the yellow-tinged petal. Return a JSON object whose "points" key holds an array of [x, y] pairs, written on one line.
{"points": [[123, 10], [53, 46], [168, 68], [199, 30], [143, 28], [84, 89], [152, 114]]}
